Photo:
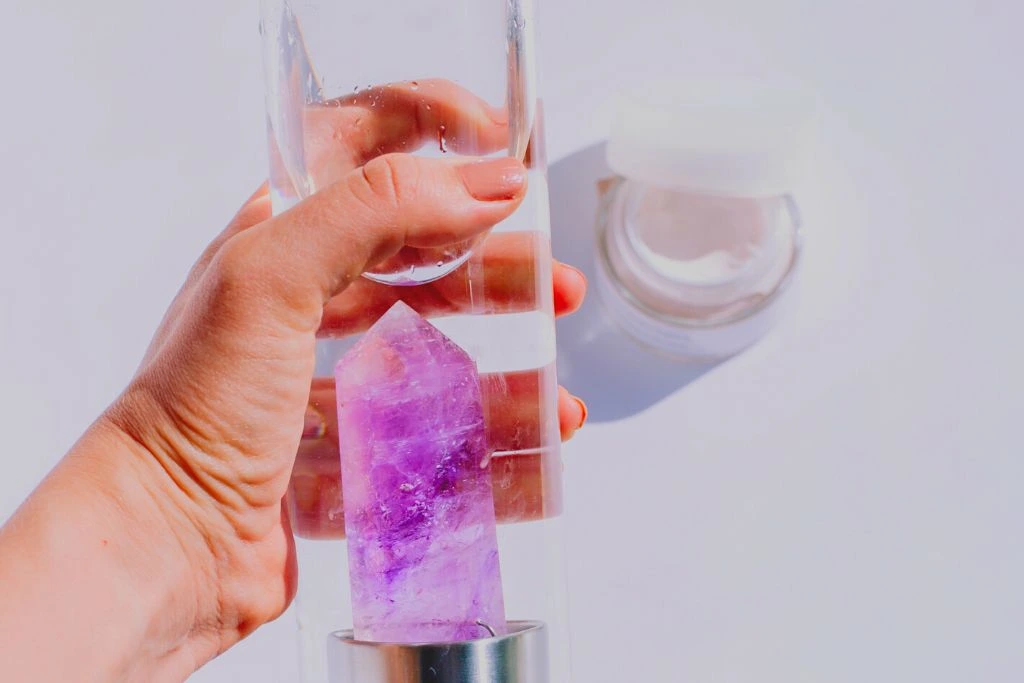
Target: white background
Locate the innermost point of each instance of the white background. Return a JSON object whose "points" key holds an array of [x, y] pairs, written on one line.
{"points": [[845, 502]]}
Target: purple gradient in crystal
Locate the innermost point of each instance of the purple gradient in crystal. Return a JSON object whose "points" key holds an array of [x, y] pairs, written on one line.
{"points": [[419, 508]]}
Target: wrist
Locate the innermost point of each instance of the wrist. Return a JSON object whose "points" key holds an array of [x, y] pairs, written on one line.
{"points": [[101, 574]]}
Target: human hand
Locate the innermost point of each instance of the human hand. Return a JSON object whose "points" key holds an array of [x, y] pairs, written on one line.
{"points": [[216, 412], [220, 402], [161, 538], [344, 133]]}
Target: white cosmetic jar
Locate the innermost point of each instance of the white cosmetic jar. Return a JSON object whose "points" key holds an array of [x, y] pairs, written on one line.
{"points": [[699, 235]]}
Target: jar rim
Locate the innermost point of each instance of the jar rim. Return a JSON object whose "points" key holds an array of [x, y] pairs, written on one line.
{"points": [[668, 332]]}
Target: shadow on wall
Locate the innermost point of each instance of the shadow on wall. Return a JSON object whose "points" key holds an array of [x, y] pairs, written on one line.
{"points": [[614, 374]]}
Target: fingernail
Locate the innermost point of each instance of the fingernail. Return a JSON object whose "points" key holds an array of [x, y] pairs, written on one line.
{"points": [[313, 426], [583, 412], [579, 273], [493, 179]]}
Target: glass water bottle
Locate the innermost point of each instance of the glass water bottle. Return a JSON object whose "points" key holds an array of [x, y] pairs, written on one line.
{"points": [[348, 81]]}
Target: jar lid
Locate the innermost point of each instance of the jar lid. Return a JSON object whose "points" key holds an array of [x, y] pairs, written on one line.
{"points": [[747, 140]]}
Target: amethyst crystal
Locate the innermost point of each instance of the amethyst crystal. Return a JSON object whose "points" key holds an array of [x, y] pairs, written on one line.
{"points": [[416, 483]]}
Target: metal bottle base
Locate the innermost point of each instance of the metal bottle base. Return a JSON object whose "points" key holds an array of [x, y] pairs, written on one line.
{"points": [[519, 657]]}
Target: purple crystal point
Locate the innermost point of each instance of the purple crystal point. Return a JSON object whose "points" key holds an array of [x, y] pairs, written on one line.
{"points": [[419, 509]]}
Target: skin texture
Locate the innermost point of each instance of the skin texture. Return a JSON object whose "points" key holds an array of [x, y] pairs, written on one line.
{"points": [[160, 539]]}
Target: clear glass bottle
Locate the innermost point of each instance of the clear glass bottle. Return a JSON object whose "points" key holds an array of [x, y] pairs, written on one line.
{"points": [[347, 81]]}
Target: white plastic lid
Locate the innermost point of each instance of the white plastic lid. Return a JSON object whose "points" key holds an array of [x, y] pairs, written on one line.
{"points": [[740, 140]]}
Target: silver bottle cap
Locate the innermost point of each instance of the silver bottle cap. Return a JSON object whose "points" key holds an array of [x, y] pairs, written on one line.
{"points": [[521, 656]]}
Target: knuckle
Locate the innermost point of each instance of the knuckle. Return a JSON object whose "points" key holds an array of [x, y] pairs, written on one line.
{"points": [[391, 179], [232, 263], [250, 274], [235, 273]]}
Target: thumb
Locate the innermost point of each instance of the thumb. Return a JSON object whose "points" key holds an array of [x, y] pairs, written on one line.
{"points": [[311, 252]]}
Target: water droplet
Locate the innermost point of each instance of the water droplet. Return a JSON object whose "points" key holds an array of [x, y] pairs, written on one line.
{"points": [[405, 488], [415, 85], [355, 89], [440, 264], [262, 27], [442, 142], [428, 107]]}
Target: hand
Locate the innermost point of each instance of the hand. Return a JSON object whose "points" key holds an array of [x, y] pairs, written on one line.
{"points": [[220, 403], [344, 133], [161, 537]]}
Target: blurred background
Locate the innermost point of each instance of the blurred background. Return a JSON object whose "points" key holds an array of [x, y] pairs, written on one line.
{"points": [[843, 502]]}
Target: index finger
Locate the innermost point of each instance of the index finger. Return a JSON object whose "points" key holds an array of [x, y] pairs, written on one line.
{"points": [[344, 133]]}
